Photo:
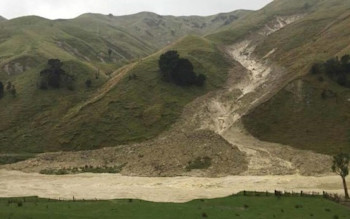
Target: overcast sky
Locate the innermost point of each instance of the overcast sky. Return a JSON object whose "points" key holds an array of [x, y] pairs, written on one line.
{"points": [[54, 9]]}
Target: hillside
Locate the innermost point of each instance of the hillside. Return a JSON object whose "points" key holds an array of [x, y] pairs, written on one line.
{"points": [[298, 115], [169, 130], [84, 44], [134, 110], [105, 42]]}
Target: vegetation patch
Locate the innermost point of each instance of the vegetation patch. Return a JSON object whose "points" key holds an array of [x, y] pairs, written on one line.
{"points": [[179, 70], [14, 158], [309, 114], [85, 169], [199, 163], [338, 70]]}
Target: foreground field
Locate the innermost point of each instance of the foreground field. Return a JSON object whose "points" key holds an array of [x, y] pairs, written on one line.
{"points": [[231, 207]]}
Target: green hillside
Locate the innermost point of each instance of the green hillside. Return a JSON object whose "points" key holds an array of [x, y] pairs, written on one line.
{"points": [[129, 102], [92, 47], [255, 21], [299, 115], [135, 109]]}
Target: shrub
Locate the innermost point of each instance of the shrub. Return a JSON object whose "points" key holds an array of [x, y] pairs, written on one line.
{"points": [[199, 163], [88, 83], [19, 204], [54, 76], [13, 91], [1, 90], [179, 70], [336, 69]]}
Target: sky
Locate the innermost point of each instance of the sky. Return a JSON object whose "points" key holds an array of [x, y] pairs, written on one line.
{"points": [[54, 9]]}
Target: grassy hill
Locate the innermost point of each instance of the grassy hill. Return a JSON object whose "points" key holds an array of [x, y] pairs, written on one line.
{"points": [[110, 114], [134, 104], [254, 21], [135, 109], [298, 115]]}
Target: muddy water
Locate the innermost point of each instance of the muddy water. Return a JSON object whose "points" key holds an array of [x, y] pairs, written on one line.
{"points": [[164, 189]]}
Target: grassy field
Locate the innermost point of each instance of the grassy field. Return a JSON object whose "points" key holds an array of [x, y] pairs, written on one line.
{"points": [[231, 207]]}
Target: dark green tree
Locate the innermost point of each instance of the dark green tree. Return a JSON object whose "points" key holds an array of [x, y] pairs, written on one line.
{"points": [[341, 167], [1, 90], [167, 64], [88, 83], [183, 74], [201, 80], [54, 76], [8, 86], [179, 70], [110, 51]]}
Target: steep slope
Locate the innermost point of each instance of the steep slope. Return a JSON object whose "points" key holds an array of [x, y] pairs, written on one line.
{"points": [[137, 108], [254, 21], [300, 115], [92, 47], [156, 30], [210, 127]]}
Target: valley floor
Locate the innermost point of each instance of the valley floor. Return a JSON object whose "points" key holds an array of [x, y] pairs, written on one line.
{"points": [[157, 189]]}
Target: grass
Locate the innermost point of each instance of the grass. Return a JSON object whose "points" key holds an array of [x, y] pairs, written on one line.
{"points": [[231, 207], [199, 163], [142, 107], [135, 110], [299, 116], [14, 158], [85, 169], [254, 21]]}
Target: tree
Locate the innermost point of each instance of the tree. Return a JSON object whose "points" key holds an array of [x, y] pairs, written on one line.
{"points": [[341, 167], [88, 83], [179, 70], [167, 64], [1, 89], [54, 76], [8, 86], [110, 51], [201, 80], [13, 91], [183, 73]]}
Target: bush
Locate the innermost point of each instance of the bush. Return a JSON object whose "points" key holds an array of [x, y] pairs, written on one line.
{"points": [[88, 83], [337, 70], [199, 163], [55, 76], [201, 80], [179, 70], [1, 90]]}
